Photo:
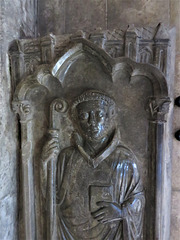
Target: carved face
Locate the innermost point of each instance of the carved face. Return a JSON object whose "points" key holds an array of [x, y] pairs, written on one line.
{"points": [[93, 118]]}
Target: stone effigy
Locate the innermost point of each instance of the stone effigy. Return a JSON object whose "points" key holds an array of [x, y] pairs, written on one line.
{"points": [[82, 99], [99, 191]]}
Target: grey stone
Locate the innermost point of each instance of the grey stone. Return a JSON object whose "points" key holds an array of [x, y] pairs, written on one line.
{"points": [[65, 67], [19, 19], [68, 16], [14, 23], [140, 12], [175, 231]]}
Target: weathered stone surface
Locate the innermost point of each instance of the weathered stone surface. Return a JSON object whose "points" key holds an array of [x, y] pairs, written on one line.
{"points": [[8, 217], [51, 17], [176, 155], [177, 72], [176, 126], [16, 20], [175, 219], [89, 17], [69, 16], [61, 16], [140, 12], [175, 215], [175, 20]]}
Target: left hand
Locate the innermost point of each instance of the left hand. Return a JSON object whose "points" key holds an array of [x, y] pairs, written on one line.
{"points": [[108, 212]]}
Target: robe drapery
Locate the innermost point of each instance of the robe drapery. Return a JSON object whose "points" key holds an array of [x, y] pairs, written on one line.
{"points": [[82, 181]]}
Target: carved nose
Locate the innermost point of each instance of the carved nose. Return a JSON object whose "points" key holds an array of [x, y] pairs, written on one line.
{"points": [[92, 119]]}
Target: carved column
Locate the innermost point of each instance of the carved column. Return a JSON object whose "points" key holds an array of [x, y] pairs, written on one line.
{"points": [[27, 226], [158, 108], [160, 48], [131, 43], [161, 55]]}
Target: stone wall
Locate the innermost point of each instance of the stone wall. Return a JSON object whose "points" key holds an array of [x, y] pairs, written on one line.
{"points": [[175, 216], [16, 20], [19, 19], [67, 16]]}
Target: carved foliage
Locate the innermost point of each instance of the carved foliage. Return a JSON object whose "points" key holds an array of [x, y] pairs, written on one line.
{"points": [[158, 108], [24, 109]]}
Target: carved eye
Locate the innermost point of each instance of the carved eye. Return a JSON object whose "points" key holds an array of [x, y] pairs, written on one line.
{"points": [[100, 114], [84, 116]]}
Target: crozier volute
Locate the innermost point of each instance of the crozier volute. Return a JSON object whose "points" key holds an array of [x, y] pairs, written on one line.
{"points": [[94, 112]]}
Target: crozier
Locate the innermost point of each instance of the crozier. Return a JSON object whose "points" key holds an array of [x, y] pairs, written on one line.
{"points": [[95, 115]]}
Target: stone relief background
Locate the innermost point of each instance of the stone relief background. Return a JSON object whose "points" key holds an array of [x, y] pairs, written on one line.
{"points": [[23, 18]]}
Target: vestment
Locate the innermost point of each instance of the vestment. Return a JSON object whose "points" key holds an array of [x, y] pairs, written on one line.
{"points": [[82, 181]]}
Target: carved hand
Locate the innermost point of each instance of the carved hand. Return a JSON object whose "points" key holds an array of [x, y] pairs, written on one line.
{"points": [[51, 150], [107, 212]]}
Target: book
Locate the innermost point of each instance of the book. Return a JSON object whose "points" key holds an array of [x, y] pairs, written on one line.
{"points": [[98, 194]]}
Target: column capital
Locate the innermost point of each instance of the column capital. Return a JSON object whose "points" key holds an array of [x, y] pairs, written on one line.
{"points": [[158, 108]]}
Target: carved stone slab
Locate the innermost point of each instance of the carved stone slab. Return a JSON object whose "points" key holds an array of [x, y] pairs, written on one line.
{"points": [[50, 75]]}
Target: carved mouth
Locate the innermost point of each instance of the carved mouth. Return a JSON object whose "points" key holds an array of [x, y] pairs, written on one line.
{"points": [[93, 130]]}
